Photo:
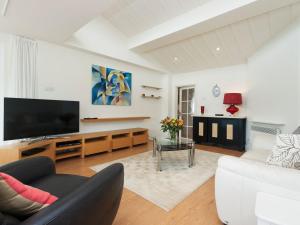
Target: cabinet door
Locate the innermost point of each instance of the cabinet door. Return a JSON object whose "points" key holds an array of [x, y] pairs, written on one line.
{"points": [[233, 133], [200, 130], [214, 131]]}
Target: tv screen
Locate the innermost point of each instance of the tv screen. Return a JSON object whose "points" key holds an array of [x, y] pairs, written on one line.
{"points": [[27, 118]]}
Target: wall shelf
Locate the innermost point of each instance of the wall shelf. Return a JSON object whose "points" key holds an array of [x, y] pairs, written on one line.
{"points": [[114, 119], [151, 96], [151, 87]]}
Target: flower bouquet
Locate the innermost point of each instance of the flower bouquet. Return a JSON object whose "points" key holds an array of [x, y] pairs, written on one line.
{"points": [[171, 125]]}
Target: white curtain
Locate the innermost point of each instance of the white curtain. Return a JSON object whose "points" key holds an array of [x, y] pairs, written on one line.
{"points": [[21, 80], [18, 72]]}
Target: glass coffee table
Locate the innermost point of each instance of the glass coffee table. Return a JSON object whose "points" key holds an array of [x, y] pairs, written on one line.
{"points": [[167, 145]]}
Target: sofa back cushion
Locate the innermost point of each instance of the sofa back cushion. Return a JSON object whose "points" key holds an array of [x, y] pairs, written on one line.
{"points": [[21, 200], [286, 153]]}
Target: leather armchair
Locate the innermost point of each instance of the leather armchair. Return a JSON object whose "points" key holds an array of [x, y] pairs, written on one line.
{"points": [[88, 201]]}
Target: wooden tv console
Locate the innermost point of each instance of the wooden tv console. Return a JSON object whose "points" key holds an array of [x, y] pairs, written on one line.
{"points": [[75, 145]]}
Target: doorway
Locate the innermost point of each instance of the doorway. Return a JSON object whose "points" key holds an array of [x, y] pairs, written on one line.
{"points": [[186, 110]]}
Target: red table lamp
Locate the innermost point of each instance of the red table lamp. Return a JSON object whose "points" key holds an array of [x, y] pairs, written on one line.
{"points": [[232, 99]]}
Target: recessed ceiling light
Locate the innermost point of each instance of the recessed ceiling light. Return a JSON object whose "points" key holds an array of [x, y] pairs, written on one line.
{"points": [[176, 59], [218, 49]]}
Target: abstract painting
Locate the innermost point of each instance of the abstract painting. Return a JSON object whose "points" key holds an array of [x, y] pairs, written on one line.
{"points": [[110, 86]]}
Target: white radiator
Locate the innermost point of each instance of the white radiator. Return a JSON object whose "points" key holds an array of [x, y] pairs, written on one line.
{"points": [[267, 127]]}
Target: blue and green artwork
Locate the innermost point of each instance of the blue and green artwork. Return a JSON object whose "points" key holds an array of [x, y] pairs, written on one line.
{"points": [[110, 86]]}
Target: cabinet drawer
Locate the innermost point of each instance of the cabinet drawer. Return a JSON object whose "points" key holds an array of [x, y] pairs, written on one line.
{"points": [[121, 142], [140, 139], [93, 147]]}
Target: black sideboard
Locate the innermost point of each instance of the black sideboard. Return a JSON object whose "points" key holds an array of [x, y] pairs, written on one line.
{"points": [[224, 132]]}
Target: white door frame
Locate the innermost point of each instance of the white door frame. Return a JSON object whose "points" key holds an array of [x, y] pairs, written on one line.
{"points": [[179, 104]]}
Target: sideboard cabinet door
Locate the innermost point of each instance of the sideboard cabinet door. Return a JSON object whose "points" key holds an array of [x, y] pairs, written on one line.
{"points": [[200, 130], [233, 133], [214, 130]]}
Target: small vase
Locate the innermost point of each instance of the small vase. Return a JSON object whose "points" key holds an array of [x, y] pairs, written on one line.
{"points": [[202, 109]]}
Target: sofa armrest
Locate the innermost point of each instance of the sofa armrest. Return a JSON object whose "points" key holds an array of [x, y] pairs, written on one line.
{"points": [[96, 202], [259, 171], [29, 170]]}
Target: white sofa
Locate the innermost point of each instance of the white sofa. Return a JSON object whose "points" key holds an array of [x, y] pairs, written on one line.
{"points": [[238, 180]]}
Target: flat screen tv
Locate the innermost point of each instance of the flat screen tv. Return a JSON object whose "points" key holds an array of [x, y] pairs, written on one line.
{"points": [[29, 118]]}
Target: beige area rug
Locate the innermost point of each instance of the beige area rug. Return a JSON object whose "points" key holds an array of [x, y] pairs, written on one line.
{"points": [[169, 187]]}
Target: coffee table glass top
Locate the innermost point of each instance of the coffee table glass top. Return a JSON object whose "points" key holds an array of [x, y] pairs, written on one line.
{"points": [[174, 145]]}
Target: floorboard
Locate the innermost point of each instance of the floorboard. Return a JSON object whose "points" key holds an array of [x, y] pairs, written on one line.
{"points": [[197, 209]]}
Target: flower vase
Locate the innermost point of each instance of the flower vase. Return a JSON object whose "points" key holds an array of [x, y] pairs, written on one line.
{"points": [[173, 135]]}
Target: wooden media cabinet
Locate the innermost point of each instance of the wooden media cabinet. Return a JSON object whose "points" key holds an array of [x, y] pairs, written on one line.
{"points": [[75, 145]]}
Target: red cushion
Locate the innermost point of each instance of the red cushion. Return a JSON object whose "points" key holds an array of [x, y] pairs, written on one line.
{"points": [[19, 199]]}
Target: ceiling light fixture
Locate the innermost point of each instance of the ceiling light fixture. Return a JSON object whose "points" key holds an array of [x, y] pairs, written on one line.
{"points": [[4, 4], [175, 59], [218, 49]]}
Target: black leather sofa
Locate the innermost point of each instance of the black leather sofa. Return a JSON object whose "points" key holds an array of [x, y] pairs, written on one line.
{"points": [[82, 200]]}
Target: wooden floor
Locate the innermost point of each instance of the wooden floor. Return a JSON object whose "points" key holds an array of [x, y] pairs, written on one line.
{"points": [[198, 209]]}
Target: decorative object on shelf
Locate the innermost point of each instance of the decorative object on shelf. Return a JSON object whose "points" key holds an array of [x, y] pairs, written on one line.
{"points": [[172, 126], [202, 109], [151, 96], [232, 99], [216, 91], [219, 114], [110, 86]]}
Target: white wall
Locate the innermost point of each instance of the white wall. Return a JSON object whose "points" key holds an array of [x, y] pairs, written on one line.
{"points": [[2, 46], [273, 84], [270, 83], [65, 73], [4, 49], [229, 79]]}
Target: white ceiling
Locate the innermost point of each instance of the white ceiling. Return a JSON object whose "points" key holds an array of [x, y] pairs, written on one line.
{"points": [[51, 20], [237, 42], [135, 16], [150, 33]]}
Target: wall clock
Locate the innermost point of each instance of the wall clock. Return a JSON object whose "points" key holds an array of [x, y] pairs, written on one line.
{"points": [[216, 91]]}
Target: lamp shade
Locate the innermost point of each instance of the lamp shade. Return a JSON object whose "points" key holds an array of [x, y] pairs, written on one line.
{"points": [[233, 99]]}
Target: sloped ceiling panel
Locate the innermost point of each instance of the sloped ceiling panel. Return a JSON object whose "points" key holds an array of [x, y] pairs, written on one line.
{"points": [[53, 21], [237, 42], [135, 16]]}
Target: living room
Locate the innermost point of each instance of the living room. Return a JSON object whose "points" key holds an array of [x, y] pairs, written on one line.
{"points": [[184, 112]]}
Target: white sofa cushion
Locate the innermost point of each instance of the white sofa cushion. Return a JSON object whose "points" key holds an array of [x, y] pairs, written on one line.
{"points": [[286, 153], [261, 172], [257, 155]]}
